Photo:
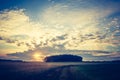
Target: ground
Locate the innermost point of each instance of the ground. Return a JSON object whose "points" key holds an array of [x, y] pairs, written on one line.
{"points": [[59, 71]]}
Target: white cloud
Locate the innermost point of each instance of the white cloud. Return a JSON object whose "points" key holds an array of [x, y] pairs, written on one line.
{"points": [[59, 28]]}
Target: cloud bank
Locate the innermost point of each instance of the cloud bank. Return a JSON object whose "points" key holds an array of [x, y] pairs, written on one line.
{"points": [[60, 29]]}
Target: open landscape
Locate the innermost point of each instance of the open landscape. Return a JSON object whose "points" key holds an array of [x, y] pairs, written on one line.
{"points": [[59, 39], [59, 71]]}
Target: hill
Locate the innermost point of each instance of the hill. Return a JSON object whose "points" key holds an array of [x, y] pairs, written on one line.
{"points": [[63, 58], [5, 60]]}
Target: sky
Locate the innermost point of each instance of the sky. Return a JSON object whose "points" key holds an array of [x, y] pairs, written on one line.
{"points": [[30, 30]]}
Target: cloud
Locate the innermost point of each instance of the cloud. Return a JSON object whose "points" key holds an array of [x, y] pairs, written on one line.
{"points": [[62, 28], [1, 38], [78, 30], [16, 28], [28, 55], [46, 51]]}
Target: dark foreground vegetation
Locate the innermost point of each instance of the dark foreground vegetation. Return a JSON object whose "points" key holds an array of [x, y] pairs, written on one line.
{"points": [[59, 71]]}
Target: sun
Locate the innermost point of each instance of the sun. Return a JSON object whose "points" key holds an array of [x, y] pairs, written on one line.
{"points": [[38, 57]]}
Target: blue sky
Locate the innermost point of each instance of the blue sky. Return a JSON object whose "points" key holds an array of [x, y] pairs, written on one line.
{"points": [[33, 29]]}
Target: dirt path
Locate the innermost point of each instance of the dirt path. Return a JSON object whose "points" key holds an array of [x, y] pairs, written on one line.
{"points": [[64, 73]]}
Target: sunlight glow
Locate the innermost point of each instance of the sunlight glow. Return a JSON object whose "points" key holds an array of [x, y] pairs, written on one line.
{"points": [[38, 57]]}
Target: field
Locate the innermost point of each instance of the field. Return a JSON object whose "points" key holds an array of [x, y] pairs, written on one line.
{"points": [[59, 71]]}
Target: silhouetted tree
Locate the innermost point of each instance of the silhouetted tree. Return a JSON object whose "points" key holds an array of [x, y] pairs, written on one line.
{"points": [[63, 58]]}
